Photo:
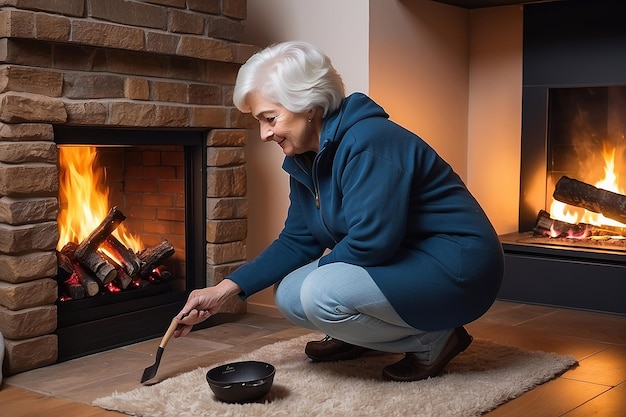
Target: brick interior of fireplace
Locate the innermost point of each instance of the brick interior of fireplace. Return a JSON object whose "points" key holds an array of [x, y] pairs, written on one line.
{"points": [[158, 65]]}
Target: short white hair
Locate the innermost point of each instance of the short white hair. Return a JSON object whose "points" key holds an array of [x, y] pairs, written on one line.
{"points": [[295, 74]]}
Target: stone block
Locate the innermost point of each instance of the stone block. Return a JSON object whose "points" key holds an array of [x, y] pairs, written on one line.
{"points": [[242, 52], [221, 253], [26, 107], [21, 52], [28, 237], [130, 13], [169, 91], [27, 267], [223, 231], [208, 95], [237, 9], [87, 113], [185, 22], [31, 80], [17, 24], [162, 43], [146, 65], [227, 208], [171, 116], [226, 182], [54, 28], [239, 120], [29, 322], [132, 114], [18, 152], [28, 178], [16, 211], [65, 7], [229, 137], [205, 48], [217, 273], [24, 355], [94, 86], [36, 293], [107, 35], [209, 117], [220, 73], [26, 131], [206, 6], [223, 157], [136, 88], [223, 28]]}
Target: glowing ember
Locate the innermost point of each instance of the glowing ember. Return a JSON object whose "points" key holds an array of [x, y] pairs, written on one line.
{"points": [[84, 198]]}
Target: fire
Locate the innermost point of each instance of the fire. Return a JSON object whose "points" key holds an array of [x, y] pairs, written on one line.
{"points": [[84, 198], [610, 182]]}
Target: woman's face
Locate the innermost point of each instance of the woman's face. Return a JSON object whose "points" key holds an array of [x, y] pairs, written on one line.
{"points": [[292, 131]]}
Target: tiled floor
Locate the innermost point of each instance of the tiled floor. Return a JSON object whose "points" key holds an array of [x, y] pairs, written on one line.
{"points": [[597, 387]]}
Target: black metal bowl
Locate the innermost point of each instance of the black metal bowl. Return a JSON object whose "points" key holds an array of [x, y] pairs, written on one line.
{"points": [[241, 382]]}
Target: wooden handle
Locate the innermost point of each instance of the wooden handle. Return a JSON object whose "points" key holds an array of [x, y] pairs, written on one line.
{"points": [[170, 331]]}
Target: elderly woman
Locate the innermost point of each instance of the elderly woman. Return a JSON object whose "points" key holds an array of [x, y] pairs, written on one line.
{"points": [[384, 248]]}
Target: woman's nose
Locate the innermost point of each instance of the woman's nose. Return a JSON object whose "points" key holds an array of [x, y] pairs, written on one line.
{"points": [[266, 133]]}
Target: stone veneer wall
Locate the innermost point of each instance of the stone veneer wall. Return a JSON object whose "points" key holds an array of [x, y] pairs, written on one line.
{"points": [[117, 63]]}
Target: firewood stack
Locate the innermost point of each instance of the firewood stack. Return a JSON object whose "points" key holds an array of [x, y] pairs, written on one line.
{"points": [[102, 264]]}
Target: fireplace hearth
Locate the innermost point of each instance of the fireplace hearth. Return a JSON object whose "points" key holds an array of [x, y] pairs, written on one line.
{"points": [[562, 64], [149, 75]]}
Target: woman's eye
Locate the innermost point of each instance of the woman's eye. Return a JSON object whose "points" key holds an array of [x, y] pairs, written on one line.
{"points": [[271, 119]]}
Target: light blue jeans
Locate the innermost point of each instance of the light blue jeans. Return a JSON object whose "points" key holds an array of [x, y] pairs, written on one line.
{"points": [[342, 301]]}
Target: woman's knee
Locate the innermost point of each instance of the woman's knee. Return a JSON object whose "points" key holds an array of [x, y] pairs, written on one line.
{"points": [[321, 300]]}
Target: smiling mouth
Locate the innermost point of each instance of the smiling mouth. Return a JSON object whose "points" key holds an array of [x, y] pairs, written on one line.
{"points": [[281, 141]]}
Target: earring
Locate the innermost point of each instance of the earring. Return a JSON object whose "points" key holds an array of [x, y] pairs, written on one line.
{"points": [[310, 120]]}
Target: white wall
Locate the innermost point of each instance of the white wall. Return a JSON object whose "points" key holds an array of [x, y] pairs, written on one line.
{"points": [[495, 113], [419, 71]]}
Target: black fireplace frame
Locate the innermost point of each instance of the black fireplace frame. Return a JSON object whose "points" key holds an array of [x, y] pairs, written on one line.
{"points": [[565, 44], [89, 326]]}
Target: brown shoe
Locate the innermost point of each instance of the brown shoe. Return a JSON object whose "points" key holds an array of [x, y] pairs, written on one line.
{"points": [[410, 369], [331, 350]]}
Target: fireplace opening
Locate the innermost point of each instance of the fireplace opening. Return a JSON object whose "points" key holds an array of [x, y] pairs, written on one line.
{"points": [[141, 194], [585, 169]]}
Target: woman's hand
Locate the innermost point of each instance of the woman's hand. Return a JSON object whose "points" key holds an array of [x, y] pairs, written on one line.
{"points": [[203, 303]]}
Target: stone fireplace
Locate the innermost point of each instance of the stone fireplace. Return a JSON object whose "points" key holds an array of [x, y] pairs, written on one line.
{"points": [[147, 66]]}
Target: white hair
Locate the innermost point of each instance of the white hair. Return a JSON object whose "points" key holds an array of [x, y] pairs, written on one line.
{"points": [[296, 75]]}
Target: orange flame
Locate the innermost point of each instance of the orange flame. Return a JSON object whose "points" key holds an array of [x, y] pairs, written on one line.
{"points": [[610, 182], [84, 198]]}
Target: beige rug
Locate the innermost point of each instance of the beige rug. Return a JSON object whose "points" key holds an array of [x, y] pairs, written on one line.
{"points": [[478, 380]]}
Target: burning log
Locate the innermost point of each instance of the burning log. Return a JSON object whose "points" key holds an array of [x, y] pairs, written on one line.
{"points": [[580, 194], [96, 263], [71, 272], [126, 257], [90, 285], [74, 289], [101, 264], [86, 253], [547, 226], [100, 233], [153, 257]]}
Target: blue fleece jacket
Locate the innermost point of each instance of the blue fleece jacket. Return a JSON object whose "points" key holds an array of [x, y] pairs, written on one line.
{"points": [[380, 197]]}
